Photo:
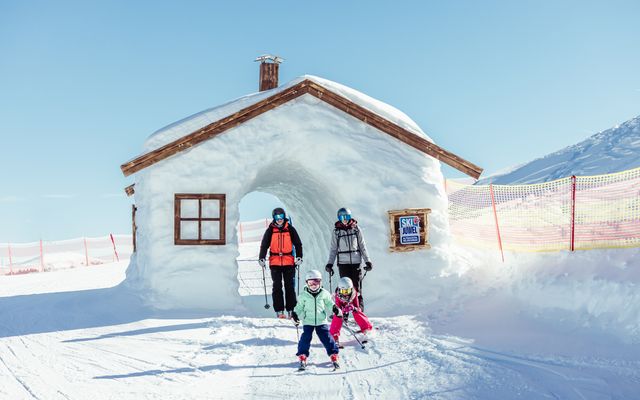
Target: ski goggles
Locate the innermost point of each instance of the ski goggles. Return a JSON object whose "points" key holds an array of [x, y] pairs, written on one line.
{"points": [[314, 282], [278, 216], [345, 292], [344, 217]]}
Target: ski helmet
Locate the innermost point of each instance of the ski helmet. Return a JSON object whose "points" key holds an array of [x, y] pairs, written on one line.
{"points": [[345, 286], [313, 274], [344, 214], [278, 212], [315, 277]]}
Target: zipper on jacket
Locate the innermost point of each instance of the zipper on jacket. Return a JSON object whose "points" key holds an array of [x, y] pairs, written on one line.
{"points": [[315, 308], [280, 246], [350, 250]]}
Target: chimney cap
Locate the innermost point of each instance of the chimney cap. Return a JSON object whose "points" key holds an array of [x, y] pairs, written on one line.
{"points": [[269, 57]]}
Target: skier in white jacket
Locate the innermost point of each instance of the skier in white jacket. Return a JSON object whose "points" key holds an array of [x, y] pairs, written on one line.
{"points": [[347, 243]]}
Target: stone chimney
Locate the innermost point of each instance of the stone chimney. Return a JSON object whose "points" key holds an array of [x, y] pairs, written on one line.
{"points": [[269, 71]]}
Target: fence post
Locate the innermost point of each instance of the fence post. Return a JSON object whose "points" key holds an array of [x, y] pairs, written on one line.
{"points": [[241, 240], [10, 260], [86, 253], [495, 216], [41, 257], [114, 247], [573, 212]]}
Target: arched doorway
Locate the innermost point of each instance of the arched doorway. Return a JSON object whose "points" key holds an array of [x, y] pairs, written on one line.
{"points": [[309, 204]]}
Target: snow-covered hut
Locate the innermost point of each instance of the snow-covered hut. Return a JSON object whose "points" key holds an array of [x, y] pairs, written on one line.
{"points": [[316, 145]]}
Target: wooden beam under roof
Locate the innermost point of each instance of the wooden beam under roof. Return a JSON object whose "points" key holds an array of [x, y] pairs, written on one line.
{"points": [[271, 102]]}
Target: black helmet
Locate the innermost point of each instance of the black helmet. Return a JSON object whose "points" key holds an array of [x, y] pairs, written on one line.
{"points": [[344, 214], [278, 211]]}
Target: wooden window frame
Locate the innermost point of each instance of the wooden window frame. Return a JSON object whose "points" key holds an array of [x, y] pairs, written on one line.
{"points": [[394, 215], [221, 219]]}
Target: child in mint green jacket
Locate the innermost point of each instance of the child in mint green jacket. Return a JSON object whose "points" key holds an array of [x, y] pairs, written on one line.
{"points": [[314, 307]]}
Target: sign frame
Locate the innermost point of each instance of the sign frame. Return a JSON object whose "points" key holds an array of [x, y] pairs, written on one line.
{"points": [[394, 231]]}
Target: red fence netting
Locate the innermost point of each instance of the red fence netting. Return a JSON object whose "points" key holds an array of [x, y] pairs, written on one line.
{"points": [[574, 213], [21, 258]]}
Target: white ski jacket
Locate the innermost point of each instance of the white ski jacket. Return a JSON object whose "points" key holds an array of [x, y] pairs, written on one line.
{"points": [[347, 243]]}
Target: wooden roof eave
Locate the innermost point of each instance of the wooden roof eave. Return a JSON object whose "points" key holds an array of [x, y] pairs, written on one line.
{"points": [[320, 92], [394, 130]]}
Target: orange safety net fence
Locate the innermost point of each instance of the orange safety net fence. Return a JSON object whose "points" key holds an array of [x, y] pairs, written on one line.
{"points": [[21, 258], [574, 213]]}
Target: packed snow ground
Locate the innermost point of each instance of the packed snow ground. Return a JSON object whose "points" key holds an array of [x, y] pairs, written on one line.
{"points": [[500, 332]]}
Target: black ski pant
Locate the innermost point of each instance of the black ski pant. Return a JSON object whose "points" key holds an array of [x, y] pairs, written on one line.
{"points": [[286, 273], [354, 272]]}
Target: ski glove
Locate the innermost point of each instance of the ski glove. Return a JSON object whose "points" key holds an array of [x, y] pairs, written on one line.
{"points": [[295, 318], [368, 266], [329, 269], [337, 311], [298, 261], [262, 262]]}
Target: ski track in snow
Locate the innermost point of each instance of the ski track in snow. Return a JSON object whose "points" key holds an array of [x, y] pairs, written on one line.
{"points": [[230, 357]]}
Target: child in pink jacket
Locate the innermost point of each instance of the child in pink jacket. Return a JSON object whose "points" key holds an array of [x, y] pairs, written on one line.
{"points": [[347, 302]]}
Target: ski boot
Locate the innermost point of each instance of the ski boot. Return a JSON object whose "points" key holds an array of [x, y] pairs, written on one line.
{"points": [[303, 362], [281, 315], [363, 336], [334, 361]]}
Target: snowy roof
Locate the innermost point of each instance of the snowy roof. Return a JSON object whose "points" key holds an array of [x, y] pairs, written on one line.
{"points": [[192, 130], [194, 122]]}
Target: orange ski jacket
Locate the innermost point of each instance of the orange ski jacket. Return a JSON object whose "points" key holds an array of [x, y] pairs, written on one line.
{"points": [[281, 241]]}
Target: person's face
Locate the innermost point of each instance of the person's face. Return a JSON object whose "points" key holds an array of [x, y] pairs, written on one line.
{"points": [[314, 284], [345, 218], [279, 218]]}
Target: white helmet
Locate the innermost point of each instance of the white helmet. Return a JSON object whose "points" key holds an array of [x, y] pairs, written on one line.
{"points": [[313, 274], [345, 286], [345, 283]]}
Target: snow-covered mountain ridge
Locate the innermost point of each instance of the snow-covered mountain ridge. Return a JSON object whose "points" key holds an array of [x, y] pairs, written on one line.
{"points": [[613, 150]]}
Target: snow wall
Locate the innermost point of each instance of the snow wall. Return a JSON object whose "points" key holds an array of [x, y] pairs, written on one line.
{"points": [[315, 159]]}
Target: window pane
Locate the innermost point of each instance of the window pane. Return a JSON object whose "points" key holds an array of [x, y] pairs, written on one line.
{"points": [[210, 208], [189, 230], [210, 230], [189, 208]]}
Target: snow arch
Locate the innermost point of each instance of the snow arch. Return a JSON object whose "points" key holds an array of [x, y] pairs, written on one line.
{"points": [[311, 201]]}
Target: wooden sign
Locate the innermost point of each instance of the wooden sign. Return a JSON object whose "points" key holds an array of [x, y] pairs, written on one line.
{"points": [[409, 229]]}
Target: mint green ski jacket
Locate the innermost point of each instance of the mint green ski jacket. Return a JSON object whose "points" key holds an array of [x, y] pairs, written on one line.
{"points": [[314, 310]]}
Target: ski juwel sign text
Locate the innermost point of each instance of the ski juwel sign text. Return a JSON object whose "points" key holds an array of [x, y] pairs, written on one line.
{"points": [[409, 229]]}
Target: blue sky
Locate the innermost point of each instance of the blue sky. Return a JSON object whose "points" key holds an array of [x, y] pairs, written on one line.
{"points": [[82, 84]]}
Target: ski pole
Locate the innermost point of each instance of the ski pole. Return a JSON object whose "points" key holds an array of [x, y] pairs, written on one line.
{"points": [[264, 284], [298, 286], [361, 285], [330, 283], [354, 334]]}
